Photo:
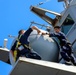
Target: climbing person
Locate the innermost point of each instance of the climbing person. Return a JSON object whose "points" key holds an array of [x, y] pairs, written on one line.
{"points": [[21, 47]]}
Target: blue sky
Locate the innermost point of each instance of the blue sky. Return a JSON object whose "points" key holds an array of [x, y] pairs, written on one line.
{"points": [[16, 15]]}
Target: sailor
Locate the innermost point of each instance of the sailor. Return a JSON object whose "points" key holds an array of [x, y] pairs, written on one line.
{"points": [[66, 46], [21, 46]]}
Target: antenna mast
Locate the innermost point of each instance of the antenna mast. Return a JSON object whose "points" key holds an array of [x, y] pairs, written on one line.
{"points": [[67, 2], [5, 43]]}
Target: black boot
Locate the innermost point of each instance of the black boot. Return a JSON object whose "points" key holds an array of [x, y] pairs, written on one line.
{"points": [[73, 61]]}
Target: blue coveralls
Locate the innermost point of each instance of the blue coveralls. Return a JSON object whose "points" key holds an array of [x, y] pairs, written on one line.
{"points": [[66, 49], [26, 51]]}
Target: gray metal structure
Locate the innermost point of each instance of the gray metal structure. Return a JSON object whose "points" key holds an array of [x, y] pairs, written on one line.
{"points": [[47, 47], [4, 54], [26, 66], [66, 19]]}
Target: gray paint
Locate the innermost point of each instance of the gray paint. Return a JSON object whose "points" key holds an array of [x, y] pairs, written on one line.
{"points": [[4, 54], [45, 46], [25, 66]]}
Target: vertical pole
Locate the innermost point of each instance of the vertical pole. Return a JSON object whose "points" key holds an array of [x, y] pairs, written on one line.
{"points": [[5, 43]]}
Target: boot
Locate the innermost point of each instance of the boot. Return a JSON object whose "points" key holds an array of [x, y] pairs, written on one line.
{"points": [[73, 61]]}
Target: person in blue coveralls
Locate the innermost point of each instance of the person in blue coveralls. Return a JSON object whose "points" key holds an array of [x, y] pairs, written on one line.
{"points": [[66, 46], [21, 46]]}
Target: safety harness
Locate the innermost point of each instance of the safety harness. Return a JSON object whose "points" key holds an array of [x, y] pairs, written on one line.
{"points": [[16, 48], [15, 51]]}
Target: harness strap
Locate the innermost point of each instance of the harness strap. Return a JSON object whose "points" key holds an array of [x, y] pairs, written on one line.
{"points": [[28, 47], [15, 55], [15, 51], [18, 43]]}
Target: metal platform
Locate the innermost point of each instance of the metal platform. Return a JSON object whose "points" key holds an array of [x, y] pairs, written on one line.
{"points": [[4, 54], [25, 66]]}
